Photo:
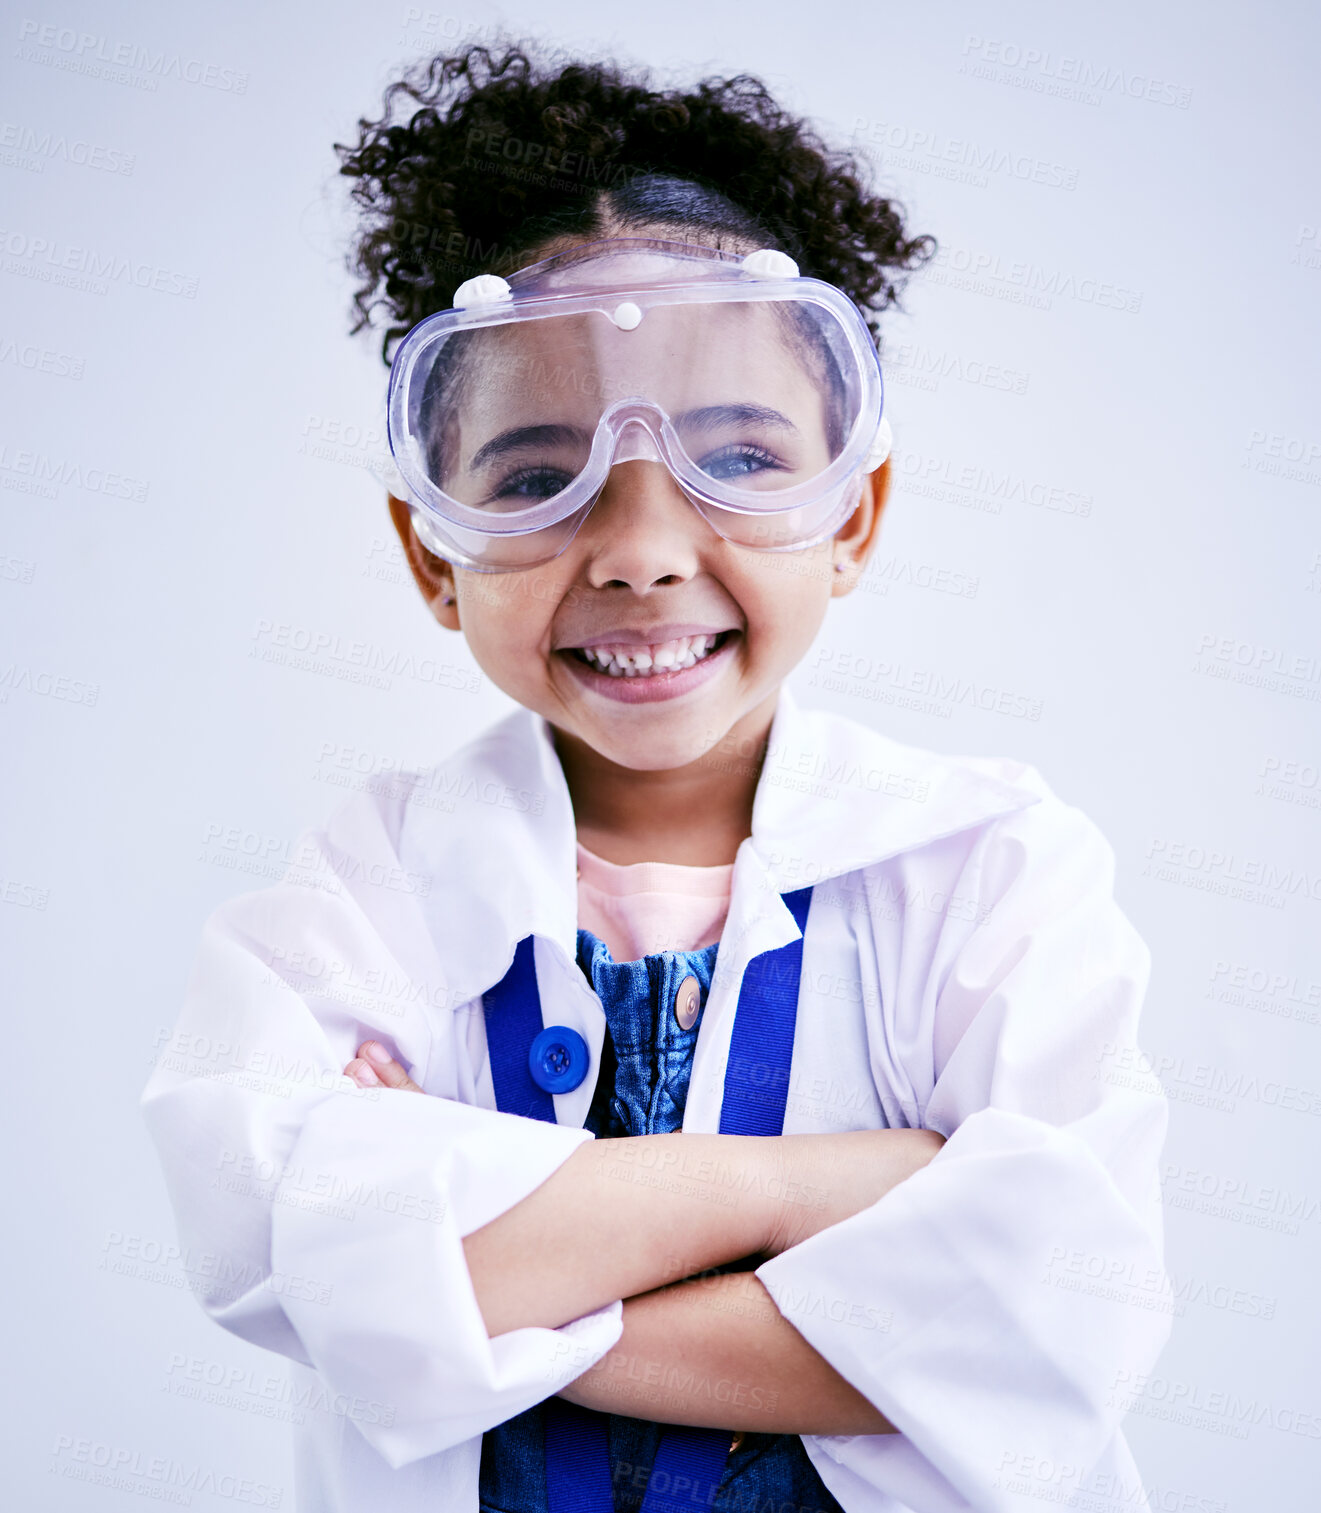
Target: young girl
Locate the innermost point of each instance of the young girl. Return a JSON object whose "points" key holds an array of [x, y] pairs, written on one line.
{"points": [[674, 1099]]}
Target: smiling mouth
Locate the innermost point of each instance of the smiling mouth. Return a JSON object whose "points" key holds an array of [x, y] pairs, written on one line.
{"points": [[651, 661]]}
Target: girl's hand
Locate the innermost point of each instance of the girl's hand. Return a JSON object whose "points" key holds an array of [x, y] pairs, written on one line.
{"points": [[827, 1178], [373, 1066]]}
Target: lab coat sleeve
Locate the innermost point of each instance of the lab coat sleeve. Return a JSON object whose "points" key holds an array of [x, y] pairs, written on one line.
{"points": [[1001, 1299], [324, 1221]]}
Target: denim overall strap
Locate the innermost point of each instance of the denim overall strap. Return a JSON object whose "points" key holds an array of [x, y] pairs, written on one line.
{"points": [[762, 1043], [513, 1000], [690, 1460]]}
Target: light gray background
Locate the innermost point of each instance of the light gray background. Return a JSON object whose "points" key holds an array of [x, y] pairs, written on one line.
{"points": [[1166, 639]]}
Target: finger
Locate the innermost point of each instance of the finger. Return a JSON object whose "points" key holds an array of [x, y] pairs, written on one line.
{"points": [[361, 1072], [385, 1067], [368, 1075]]}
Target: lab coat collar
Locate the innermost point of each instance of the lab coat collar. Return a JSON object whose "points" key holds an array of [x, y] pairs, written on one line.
{"points": [[833, 796]]}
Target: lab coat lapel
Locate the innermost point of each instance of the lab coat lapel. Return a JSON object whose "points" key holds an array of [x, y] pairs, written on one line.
{"points": [[833, 797], [499, 839]]}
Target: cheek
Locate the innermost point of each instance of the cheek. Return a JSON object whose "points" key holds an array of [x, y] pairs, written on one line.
{"points": [[504, 633], [786, 603]]}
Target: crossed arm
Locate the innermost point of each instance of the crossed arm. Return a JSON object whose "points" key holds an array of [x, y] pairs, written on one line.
{"points": [[645, 1219]]}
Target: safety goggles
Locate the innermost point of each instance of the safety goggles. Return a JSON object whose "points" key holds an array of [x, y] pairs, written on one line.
{"points": [[759, 390]]}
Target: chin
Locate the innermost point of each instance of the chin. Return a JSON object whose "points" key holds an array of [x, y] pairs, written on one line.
{"points": [[658, 753]]}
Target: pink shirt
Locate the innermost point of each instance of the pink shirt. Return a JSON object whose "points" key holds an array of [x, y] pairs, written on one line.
{"points": [[651, 906]]}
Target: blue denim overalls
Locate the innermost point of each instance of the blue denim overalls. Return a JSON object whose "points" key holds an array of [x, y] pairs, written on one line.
{"points": [[642, 1087]]}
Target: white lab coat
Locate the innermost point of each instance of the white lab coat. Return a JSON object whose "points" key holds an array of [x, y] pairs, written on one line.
{"points": [[965, 968]]}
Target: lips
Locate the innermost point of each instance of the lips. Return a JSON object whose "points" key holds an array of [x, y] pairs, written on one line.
{"points": [[645, 635]]}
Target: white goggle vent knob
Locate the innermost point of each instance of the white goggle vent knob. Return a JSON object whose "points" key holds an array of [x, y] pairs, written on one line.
{"points": [[767, 263], [626, 316], [485, 289]]}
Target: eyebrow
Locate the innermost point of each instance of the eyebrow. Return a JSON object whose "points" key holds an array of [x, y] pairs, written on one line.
{"points": [[527, 436], [711, 416], [708, 418]]}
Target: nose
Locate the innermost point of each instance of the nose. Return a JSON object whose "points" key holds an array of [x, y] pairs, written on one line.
{"points": [[643, 532]]}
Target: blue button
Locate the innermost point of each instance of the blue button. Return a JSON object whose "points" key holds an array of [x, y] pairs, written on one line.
{"points": [[558, 1059]]}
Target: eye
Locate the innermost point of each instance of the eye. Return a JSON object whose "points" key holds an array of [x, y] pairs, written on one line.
{"points": [[740, 461], [531, 484]]}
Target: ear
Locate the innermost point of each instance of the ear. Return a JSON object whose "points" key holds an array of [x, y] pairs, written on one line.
{"points": [[855, 539], [433, 575]]}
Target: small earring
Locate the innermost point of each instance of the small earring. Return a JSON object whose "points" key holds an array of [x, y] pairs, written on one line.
{"points": [[840, 566]]}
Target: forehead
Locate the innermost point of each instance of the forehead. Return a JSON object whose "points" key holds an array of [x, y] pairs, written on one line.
{"points": [[674, 351]]}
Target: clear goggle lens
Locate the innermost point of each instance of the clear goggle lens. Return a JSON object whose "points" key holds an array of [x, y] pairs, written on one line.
{"points": [[761, 400]]}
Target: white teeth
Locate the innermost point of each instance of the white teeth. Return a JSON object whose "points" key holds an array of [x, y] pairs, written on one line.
{"points": [[647, 661]]}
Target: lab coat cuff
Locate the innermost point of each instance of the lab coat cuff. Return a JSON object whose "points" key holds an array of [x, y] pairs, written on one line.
{"points": [[374, 1206], [952, 1304]]}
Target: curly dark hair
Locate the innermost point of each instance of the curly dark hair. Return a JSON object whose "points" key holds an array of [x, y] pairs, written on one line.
{"points": [[510, 155]]}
